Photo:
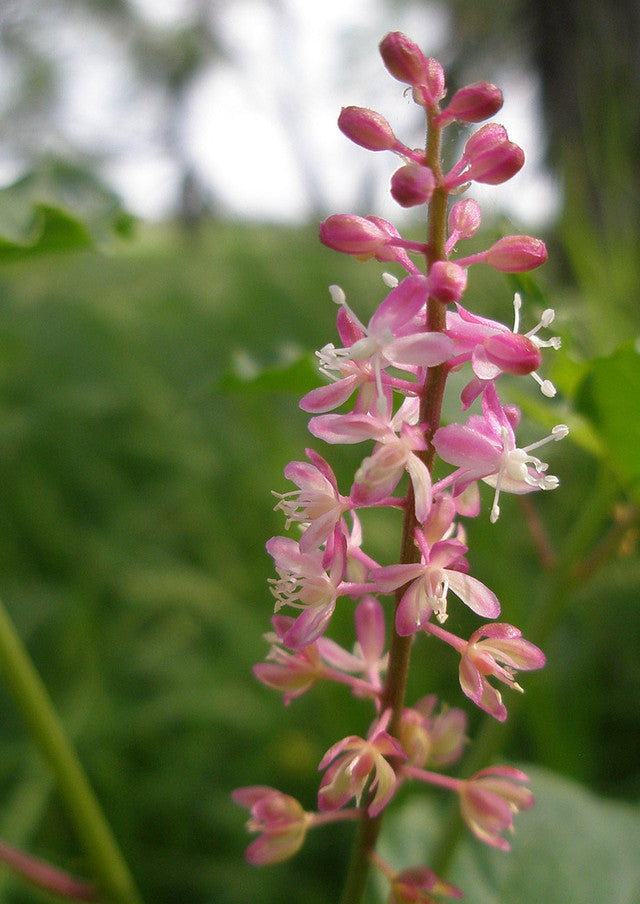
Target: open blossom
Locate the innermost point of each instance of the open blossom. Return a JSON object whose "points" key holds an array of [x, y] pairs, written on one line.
{"points": [[380, 473], [295, 671], [497, 650], [388, 340], [485, 448], [355, 762], [279, 818], [305, 583], [429, 582], [316, 500], [494, 349], [490, 799]]}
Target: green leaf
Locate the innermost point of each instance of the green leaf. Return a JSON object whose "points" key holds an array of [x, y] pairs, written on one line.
{"points": [[572, 847], [58, 207], [298, 376], [608, 398]]}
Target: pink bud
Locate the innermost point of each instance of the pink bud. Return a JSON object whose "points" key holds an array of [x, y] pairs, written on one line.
{"points": [[513, 353], [464, 218], [367, 128], [485, 138], [472, 103], [492, 166], [516, 254], [403, 59], [412, 184], [435, 80], [351, 234], [446, 282], [495, 166]]}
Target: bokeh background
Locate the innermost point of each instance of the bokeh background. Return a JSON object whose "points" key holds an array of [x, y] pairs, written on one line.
{"points": [[162, 290]]}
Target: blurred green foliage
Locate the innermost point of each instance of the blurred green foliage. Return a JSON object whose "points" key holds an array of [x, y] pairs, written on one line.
{"points": [[148, 403]]}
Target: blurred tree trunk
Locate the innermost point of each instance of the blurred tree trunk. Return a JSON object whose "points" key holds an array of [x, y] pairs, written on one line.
{"points": [[587, 56]]}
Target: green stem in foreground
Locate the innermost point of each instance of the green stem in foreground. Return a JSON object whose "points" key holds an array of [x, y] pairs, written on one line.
{"points": [[400, 648], [34, 704]]}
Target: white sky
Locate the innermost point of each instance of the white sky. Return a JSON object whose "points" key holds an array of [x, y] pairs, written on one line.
{"points": [[261, 128]]}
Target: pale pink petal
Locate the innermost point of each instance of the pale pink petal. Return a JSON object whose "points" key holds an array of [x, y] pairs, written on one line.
{"points": [[347, 428], [326, 398], [465, 447], [308, 626], [474, 594], [421, 481], [390, 577], [420, 349]]}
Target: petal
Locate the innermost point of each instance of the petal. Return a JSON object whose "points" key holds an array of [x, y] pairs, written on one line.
{"points": [[347, 428], [400, 305], [421, 482], [465, 447], [474, 594], [422, 349], [308, 626], [326, 398]]}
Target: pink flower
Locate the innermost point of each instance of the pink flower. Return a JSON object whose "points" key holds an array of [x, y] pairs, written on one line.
{"points": [[316, 500], [429, 582], [485, 448], [380, 473], [473, 103], [494, 349], [368, 657], [388, 340], [498, 650], [281, 820], [355, 764], [489, 801], [418, 885], [293, 673], [305, 583], [435, 740]]}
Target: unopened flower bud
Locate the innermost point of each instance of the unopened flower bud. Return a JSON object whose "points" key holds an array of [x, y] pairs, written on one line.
{"points": [[403, 59], [367, 128], [493, 166], [516, 254], [352, 234], [485, 138], [472, 103], [412, 184], [464, 218], [446, 281], [497, 165]]}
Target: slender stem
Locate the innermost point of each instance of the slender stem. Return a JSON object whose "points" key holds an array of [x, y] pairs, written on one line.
{"points": [[430, 406], [36, 708]]}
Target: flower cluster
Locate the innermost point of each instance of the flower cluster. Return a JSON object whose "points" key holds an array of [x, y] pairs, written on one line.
{"points": [[383, 390]]}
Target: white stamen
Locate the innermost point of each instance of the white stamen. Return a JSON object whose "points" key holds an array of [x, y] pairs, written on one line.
{"points": [[390, 280], [337, 295], [517, 305]]}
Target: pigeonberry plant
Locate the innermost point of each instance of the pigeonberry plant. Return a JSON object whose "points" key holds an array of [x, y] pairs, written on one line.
{"points": [[383, 390]]}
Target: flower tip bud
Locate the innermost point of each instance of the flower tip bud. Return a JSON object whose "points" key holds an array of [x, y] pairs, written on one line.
{"points": [[403, 59], [516, 254], [465, 218], [446, 282], [412, 184], [366, 128]]}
